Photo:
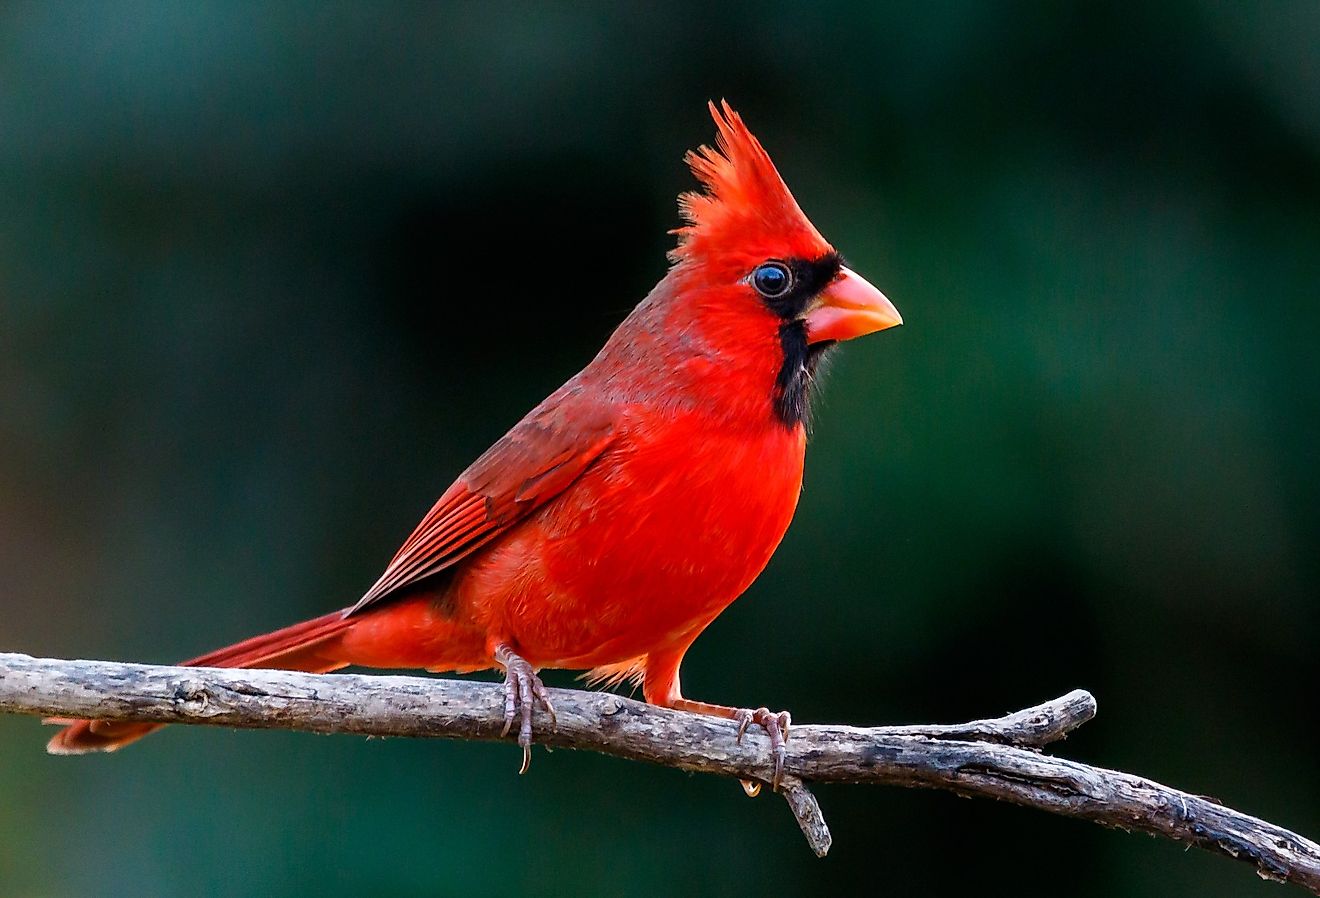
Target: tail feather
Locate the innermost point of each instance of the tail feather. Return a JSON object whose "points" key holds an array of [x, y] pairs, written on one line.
{"points": [[308, 646]]}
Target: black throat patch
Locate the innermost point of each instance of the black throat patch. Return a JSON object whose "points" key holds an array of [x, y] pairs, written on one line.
{"points": [[797, 377], [802, 361]]}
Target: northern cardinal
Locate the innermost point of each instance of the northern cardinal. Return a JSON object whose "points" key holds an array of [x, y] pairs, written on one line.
{"points": [[612, 524]]}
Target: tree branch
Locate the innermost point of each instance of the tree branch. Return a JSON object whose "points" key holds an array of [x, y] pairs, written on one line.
{"points": [[998, 758]]}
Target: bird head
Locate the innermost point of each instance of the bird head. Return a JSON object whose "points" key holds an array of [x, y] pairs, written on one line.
{"points": [[748, 240]]}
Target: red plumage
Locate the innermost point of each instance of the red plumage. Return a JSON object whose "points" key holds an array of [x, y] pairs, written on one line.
{"points": [[618, 518]]}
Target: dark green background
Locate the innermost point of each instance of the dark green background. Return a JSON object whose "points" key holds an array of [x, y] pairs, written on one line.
{"points": [[271, 275]]}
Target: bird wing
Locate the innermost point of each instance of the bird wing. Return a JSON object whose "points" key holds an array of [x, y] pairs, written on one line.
{"points": [[527, 467]]}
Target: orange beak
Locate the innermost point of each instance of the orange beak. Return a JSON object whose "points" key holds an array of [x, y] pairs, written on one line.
{"points": [[850, 307]]}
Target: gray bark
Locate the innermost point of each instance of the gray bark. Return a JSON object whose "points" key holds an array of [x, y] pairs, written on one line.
{"points": [[996, 758]]}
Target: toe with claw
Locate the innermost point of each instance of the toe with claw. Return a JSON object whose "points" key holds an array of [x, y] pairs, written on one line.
{"points": [[523, 689], [776, 727]]}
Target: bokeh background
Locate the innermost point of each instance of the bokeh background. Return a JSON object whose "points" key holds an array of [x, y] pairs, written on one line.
{"points": [[271, 275]]}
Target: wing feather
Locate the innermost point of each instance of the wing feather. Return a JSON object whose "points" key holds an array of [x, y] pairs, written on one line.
{"points": [[525, 469]]}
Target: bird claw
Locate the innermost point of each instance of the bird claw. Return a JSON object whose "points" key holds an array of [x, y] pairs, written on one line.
{"points": [[523, 689], [776, 727]]}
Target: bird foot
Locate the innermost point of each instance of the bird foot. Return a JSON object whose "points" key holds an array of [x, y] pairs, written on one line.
{"points": [[522, 690], [776, 727]]}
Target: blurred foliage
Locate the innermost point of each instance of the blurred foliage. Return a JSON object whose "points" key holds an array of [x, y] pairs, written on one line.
{"points": [[270, 275]]}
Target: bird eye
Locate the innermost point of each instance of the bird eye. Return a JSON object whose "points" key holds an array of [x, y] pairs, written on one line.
{"points": [[772, 279]]}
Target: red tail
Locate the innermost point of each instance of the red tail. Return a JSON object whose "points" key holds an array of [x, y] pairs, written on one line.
{"points": [[308, 646]]}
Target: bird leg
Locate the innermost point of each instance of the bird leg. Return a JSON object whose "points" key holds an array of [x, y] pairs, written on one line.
{"points": [[522, 690], [775, 726]]}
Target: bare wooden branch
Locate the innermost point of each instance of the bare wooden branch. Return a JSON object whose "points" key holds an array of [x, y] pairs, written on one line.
{"points": [[998, 758]]}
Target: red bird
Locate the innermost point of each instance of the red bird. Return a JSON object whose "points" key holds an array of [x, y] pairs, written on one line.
{"points": [[615, 521]]}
